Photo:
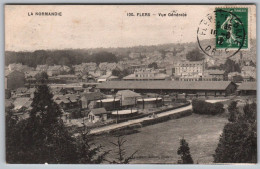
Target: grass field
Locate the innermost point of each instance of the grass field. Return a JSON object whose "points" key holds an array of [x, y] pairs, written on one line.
{"points": [[159, 143]]}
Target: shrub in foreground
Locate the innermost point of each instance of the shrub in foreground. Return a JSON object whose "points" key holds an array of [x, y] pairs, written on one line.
{"points": [[203, 107]]}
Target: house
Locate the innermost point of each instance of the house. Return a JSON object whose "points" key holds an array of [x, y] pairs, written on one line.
{"points": [[189, 68], [98, 114], [107, 77], [146, 74], [133, 67], [19, 67], [204, 88], [31, 91], [78, 69], [21, 92], [88, 99], [128, 97], [232, 76], [42, 68], [89, 78], [68, 101], [31, 74], [14, 80], [22, 103], [68, 78], [62, 101], [214, 75], [247, 88], [54, 70], [247, 72], [169, 70], [66, 68], [107, 66]]}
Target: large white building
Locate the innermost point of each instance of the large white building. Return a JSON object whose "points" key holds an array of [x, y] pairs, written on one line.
{"points": [[146, 74], [187, 68]]}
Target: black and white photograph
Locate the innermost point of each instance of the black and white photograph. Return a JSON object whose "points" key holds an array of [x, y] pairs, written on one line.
{"points": [[130, 84]]}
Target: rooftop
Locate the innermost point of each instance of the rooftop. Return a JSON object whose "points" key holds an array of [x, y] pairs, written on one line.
{"points": [[156, 76], [248, 86], [181, 85], [127, 93], [99, 111], [215, 72], [93, 96]]}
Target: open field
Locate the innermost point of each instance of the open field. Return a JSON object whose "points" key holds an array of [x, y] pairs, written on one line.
{"points": [[159, 143]]}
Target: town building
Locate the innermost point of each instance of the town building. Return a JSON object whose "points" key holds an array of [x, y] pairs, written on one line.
{"points": [[42, 68], [145, 74], [107, 77], [133, 67], [31, 74], [22, 104], [213, 75], [248, 73], [97, 115], [54, 70], [233, 75], [128, 98], [68, 102], [88, 100], [148, 103], [19, 67], [105, 66], [203, 88], [14, 79], [109, 103], [247, 88], [187, 68], [69, 78]]}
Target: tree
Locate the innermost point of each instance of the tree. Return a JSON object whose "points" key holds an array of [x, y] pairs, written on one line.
{"points": [[238, 78], [238, 142], [230, 66], [153, 65], [121, 152], [233, 111], [194, 55], [120, 74], [116, 72], [89, 153], [42, 137], [184, 152]]}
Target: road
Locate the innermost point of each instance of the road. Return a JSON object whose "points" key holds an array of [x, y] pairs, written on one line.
{"points": [[136, 121]]}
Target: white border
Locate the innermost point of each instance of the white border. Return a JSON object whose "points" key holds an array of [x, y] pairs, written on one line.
{"points": [[3, 165]]}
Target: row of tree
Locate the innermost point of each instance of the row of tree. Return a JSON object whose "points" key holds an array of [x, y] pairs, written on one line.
{"points": [[58, 57]]}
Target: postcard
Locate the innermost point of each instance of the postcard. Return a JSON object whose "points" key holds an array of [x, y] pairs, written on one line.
{"points": [[130, 84]]}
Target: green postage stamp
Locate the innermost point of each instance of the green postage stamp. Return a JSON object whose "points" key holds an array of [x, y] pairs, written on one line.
{"points": [[231, 28]]}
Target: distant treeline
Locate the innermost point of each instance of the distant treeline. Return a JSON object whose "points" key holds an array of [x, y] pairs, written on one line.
{"points": [[58, 57]]}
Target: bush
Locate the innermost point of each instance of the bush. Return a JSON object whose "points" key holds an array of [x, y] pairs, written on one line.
{"points": [[203, 107], [237, 144], [76, 115], [184, 152]]}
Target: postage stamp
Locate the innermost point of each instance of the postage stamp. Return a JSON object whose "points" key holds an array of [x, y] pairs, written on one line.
{"points": [[231, 28], [224, 32]]}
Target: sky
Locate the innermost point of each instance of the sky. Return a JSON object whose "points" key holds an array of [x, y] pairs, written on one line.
{"points": [[93, 26]]}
